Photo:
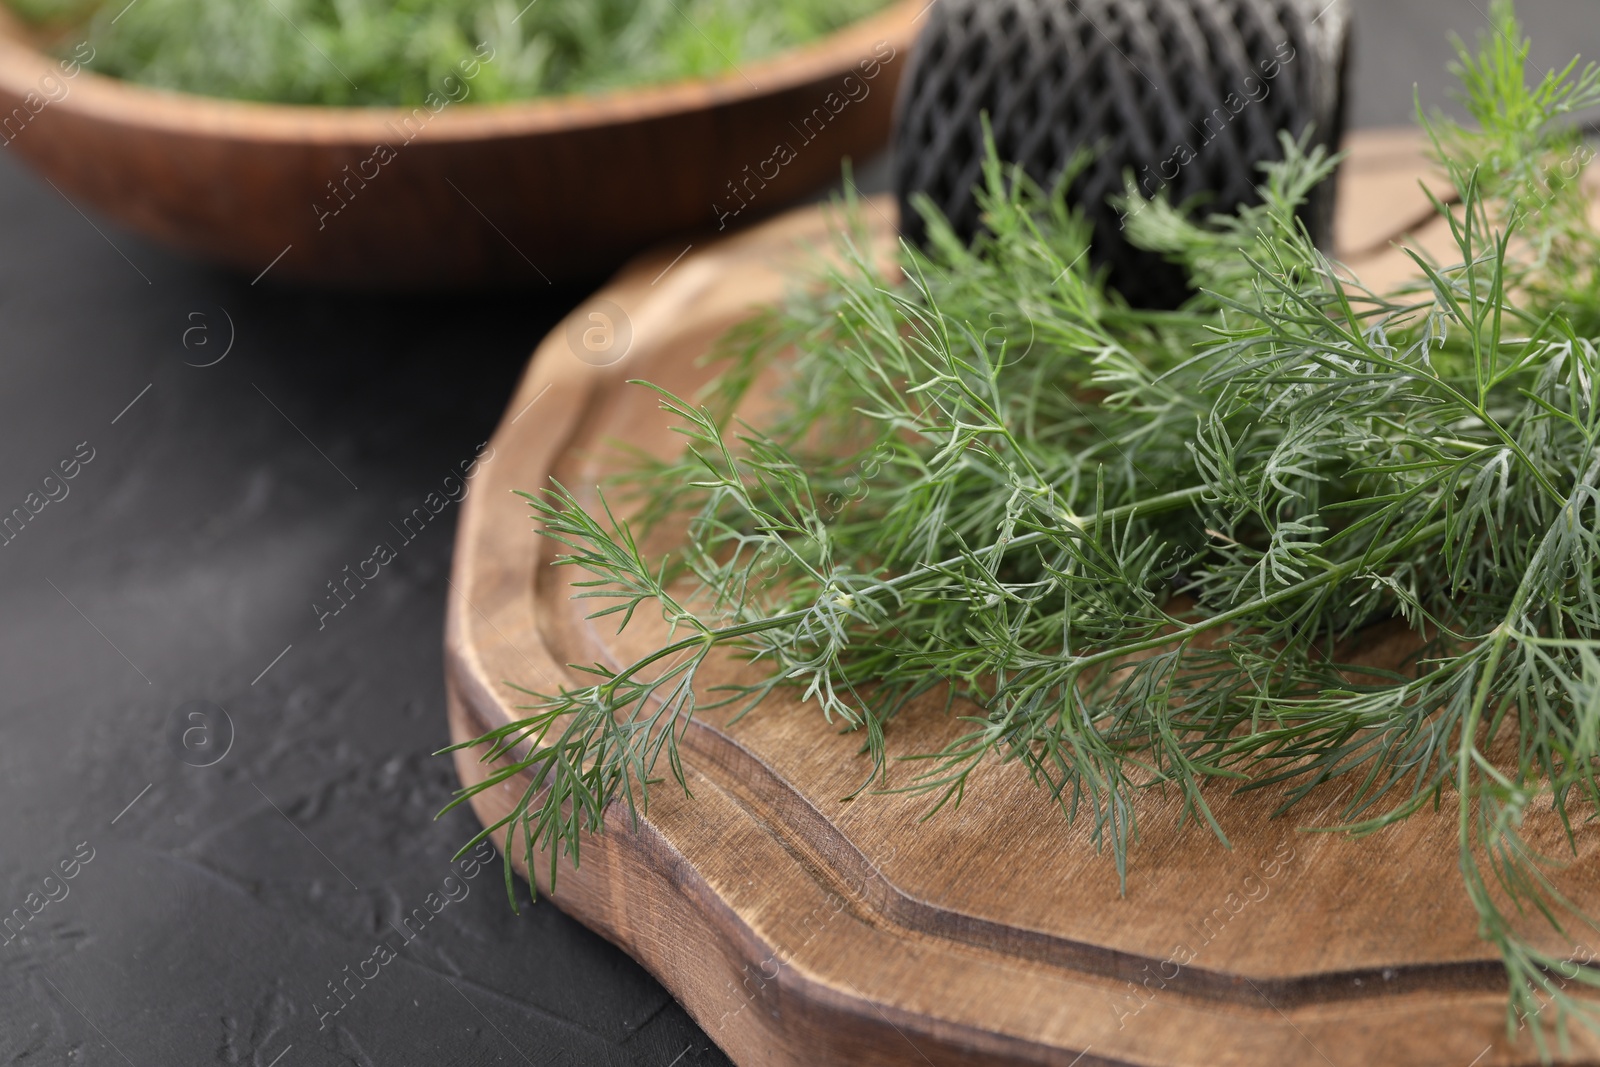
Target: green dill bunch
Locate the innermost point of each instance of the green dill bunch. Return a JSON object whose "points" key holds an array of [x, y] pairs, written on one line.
{"points": [[1531, 164], [377, 52], [1138, 547]]}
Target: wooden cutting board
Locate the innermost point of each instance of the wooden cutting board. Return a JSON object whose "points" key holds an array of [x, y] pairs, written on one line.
{"points": [[799, 929]]}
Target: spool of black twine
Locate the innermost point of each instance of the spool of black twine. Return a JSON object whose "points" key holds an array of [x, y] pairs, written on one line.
{"points": [[1188, 95]]}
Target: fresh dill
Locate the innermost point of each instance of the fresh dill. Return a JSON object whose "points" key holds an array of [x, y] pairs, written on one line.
{"points": [[373, 52], [1141, 543]]}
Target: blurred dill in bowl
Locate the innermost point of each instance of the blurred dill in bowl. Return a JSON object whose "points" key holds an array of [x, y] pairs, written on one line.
{"points": [[374, 52]]}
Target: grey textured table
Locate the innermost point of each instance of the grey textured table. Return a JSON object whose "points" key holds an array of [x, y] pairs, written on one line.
{"points": [[220, 905], [181, 566]]}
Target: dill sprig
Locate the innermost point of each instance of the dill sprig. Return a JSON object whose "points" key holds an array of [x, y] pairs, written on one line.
{"points": [[1142, 544]]}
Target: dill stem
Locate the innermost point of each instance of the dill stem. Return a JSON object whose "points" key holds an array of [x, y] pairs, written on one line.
{"points": [[707, 638], [1478, 411], [1469, 730], [1502, 634], [1152, 506], [1516, 448], [1334, 574]]}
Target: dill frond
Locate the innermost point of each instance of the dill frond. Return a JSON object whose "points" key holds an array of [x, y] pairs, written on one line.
{"points": [[1139, 541]]}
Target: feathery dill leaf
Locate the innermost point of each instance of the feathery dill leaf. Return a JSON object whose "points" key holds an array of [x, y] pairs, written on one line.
{"points": [[1140, 542]]}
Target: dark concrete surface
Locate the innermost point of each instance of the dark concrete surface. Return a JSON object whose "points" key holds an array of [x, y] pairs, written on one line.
{"points": [[158, 616], [185, 556]]}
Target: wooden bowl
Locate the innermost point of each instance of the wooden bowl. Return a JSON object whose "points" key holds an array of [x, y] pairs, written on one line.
{"points": [[515, 193], [803, 931]]}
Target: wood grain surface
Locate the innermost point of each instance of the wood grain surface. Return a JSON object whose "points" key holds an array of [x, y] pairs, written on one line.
{"points": [[799, 929], [467, 194]]}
